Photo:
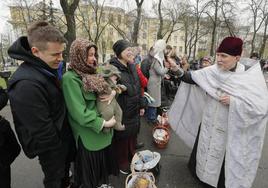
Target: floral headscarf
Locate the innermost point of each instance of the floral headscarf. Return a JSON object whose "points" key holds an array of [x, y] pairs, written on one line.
{"points": [[78, 62]]}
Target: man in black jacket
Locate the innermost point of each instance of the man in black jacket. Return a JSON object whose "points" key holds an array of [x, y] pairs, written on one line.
{"points": [[37, 102], [9, 146]]}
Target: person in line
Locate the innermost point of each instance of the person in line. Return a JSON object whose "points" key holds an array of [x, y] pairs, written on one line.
{"points": [[227, 145], [9, 146], [37, 103], [95, 159], [146, 63], [157, 71], [143, 84], [255, 56], [131, 103]]}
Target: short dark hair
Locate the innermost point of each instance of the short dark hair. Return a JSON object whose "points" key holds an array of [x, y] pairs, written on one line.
{"points": [[41, 32], [255, 54], [168, 47]]}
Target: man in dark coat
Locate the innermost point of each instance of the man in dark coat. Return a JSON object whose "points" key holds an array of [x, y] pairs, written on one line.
{"points": [[37, 103], [9, 146]]}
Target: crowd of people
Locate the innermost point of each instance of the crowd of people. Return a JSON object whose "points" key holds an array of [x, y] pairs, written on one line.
{"points": [[82, 117]]}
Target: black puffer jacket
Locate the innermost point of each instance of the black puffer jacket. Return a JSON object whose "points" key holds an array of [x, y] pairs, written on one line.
{"points": [[9, 147], [37, 103], [129, 100]]}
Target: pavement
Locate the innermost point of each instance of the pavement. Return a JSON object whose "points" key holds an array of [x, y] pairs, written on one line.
{"points": [[27, 173]]}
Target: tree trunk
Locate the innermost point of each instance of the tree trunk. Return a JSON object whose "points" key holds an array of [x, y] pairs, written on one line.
{"points": [[196, 38], [185, 38], [213, 35], [265, 37], [136, 28], [70, 34], [159, 32], [253, 43]]}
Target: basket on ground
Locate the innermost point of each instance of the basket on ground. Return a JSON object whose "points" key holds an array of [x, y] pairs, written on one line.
{"points": [[146, 161], [142, 167], [140, 180], [161, 136]]}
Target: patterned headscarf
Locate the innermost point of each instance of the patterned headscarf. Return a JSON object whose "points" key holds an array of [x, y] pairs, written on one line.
{"points": [[78, 62]]}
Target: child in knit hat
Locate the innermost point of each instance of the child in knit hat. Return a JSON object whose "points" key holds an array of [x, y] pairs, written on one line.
{"points": [[109, 109]]}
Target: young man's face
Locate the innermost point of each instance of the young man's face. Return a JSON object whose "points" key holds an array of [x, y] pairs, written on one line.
{"points": [[226, 61], [52, 55]]}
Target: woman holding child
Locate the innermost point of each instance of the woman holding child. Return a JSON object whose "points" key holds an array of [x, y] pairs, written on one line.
{"points": [[95, 159]]}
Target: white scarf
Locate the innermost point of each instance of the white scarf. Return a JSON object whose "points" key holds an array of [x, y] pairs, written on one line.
{"points": [[159, 47]]}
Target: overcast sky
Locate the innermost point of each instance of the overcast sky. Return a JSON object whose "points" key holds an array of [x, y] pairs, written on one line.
{"points": [[4, 10], [4, 14], [126, 4]]}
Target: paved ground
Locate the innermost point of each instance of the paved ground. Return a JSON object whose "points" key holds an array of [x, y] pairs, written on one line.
{"points": [[174, 173]]}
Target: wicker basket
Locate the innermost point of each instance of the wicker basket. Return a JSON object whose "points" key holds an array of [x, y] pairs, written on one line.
{"points": [[133, 178], [161, 143]]}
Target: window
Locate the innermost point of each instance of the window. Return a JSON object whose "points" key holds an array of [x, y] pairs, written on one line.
{"points": [[119, 19], [144, 35], [180, 49], [93, 15], [176, 39], [111, 17], [182, 38], [111, 44], [155, 36], [144, 47], [103, 17], [94, 29], [111, 31], [144, 25]]}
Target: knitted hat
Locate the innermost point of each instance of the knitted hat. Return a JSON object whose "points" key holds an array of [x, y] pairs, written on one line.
{"points": [[231, 45], [109, 70], [120, 45]]}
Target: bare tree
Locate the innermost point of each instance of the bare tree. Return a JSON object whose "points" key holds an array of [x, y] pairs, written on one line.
{"points": [[68, 10], [188, 26], [258, 15], [214, 20], [198, 10], [136, 25], [97, 19], [52, 18], [265, 36], [160, 28], [221, 17], [30, 11], [25, 9], [123, 33], [170, 18]]}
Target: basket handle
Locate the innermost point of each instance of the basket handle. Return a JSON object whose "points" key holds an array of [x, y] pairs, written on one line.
{"points": [[152, 176], [127, 179], [142, 160], [152, 181]]}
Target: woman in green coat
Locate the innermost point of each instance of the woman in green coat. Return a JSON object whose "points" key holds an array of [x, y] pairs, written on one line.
{"points": [[95, 158]]}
